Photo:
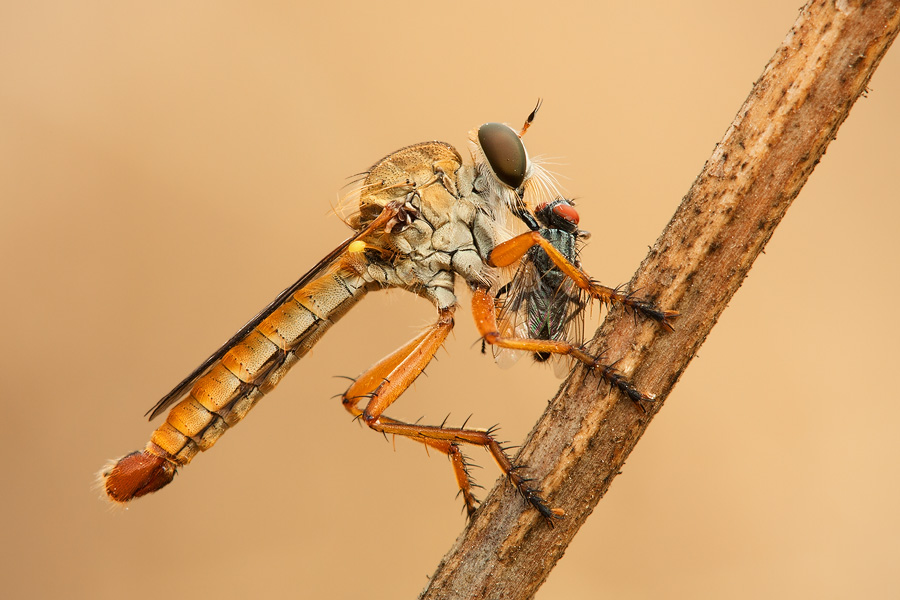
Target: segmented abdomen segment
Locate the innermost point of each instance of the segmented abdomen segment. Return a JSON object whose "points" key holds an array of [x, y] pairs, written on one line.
{"points": [[226, 393], [254, 366]]}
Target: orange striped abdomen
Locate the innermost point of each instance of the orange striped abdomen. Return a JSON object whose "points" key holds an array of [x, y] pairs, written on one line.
{"points": [[233, 385]]}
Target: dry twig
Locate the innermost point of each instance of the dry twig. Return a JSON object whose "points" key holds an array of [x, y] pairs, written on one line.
{"points": [[702, 257]]}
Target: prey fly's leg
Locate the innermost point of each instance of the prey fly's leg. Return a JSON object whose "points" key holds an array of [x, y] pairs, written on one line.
{"points": [[485, 314], [382, 384], [511, 251]]}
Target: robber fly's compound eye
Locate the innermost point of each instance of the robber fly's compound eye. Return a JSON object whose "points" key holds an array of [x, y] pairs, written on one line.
{"points": [[505, 153]]}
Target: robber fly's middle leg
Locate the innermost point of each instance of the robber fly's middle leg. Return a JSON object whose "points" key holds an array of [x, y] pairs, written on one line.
{"points": [[511, 251], [485, 314], [383, 383]]}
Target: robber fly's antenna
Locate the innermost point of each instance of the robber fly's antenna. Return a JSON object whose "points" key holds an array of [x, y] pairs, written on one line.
{"points": [[530, 118]]}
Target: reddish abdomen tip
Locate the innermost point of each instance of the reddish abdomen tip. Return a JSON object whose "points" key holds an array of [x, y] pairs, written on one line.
{"points": [[135, 475]]}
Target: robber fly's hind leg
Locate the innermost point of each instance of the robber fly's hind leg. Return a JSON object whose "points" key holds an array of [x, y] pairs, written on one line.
{"points": [[382, 384], [485, 314], [510, 251]]}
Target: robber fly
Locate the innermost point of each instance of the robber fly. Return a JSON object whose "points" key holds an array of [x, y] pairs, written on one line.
{"points": [[424, 218]]}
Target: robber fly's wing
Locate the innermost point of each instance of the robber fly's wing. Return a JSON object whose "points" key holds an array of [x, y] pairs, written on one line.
{"points": [[512, 320], [187, 383]]}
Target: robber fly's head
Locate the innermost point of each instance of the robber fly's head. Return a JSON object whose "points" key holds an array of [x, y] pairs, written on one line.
{"points": [[505, 171]]}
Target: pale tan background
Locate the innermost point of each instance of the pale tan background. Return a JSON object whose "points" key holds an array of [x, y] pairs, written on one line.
{"points": [[165, 170]]}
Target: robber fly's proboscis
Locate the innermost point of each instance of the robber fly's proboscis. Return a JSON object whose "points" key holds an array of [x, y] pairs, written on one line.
{"points": [[424, 219]]}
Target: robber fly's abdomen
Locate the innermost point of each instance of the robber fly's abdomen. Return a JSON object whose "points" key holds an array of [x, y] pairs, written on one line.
{"points": [[234, 384]]}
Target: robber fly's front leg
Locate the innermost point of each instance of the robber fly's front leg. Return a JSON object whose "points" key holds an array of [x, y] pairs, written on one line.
{"points": [[511, 251], [383, 383]]}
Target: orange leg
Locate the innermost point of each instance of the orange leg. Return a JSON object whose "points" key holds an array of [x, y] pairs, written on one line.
{"points": [[485, 314], [511, 251], [382, 384]]}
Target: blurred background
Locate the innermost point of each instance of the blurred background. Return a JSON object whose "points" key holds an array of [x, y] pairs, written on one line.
{"points": [[167, 169]]}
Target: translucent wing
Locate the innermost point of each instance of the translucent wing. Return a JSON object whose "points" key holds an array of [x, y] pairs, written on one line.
{"points": [[512, 303], [569, 304]]}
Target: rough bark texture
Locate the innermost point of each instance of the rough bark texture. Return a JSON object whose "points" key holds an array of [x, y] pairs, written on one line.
{"points": [[702, 257]]}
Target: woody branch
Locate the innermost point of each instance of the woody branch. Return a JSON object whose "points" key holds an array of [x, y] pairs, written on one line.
{"points": [[769, 150]]}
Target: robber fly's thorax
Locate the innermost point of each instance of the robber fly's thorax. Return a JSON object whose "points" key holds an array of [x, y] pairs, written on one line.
{"points": [[446, 228]]}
